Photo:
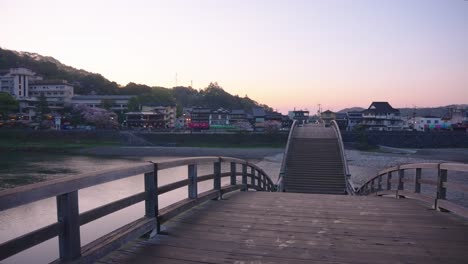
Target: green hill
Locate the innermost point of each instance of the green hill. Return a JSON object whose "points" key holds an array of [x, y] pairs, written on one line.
{"points": [[86, 83]]}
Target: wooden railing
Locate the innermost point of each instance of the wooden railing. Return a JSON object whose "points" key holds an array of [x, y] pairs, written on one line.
{"points": [[392, 181], [279, 182], [69, 219], [350, 188]]}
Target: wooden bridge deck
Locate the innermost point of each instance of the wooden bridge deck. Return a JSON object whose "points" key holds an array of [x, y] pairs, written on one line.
{"points": [[261, 227]]}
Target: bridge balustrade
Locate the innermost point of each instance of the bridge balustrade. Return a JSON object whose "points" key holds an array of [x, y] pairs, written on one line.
{"points": [[69, 219], [394, 181]]}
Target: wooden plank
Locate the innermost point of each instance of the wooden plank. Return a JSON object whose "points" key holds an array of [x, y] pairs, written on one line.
{"points": [[428, 182], [420, 166], [452, 207], [244, 176], [172, 210], [417, 179], [233, 175], [192, 182], [106, 209], [185, 161], [441, 179], [217, 178], [28, 240], [11, 198], [68, 219], [114, 240], [454, 166], [417, 196], [456, 186]]}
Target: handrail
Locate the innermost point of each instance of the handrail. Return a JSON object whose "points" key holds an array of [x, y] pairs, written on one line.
{"points": [[349, 185], [69, 219], [437, 201], [279, 182]]}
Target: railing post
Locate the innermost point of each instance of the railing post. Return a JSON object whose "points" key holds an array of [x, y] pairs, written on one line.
{"points": [[401, 175], [217, 177], [389, 181], [372, 186], [441, 190], [193, 185], [152, 199], [233, 173], [379, 183], [68, 217], [252, 172], [417, 177], [244, 177]]}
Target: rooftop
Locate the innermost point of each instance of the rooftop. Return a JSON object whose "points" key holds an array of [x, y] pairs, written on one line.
{"points": [[100, 97]]}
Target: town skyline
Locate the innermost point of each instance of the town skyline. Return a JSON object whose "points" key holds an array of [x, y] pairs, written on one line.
{"points": [[336, 53]]}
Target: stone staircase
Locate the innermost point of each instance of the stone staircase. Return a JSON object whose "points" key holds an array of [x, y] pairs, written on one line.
{"points": [[314, 162]]}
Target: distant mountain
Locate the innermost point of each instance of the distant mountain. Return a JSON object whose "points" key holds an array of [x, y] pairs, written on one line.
{"points": [[351, 109], [423, 111], [86, 82]]}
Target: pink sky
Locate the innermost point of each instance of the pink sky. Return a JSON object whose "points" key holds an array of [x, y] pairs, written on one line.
{"points": [[283, 53]]}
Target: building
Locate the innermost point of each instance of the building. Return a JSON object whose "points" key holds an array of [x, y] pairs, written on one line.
{"points": [[299, 115], [118, 103], [342, 120], [259, 116], [150, 120], [354, 120], [16, 81], [219, 118], [58, 93], [327, 117], [382, 116], [200, 118], [428, 123], [238, 116], [169, 112]]}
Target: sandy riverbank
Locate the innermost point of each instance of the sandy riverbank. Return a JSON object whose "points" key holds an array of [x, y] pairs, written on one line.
{"points": [[362, 164]]}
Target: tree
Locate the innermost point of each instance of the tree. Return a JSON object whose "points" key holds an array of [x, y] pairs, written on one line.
{"points": [[272, 126], [7, 104], [42, 105], [98, 117], [107, 103]]}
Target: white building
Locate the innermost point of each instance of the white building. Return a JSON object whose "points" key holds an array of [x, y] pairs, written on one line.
{"points": [[16, 81], [119, 102], [58, 93], [427, 123], [51, 89]]}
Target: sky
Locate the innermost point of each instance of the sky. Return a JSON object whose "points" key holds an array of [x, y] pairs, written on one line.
{"points": [[284, 53]]}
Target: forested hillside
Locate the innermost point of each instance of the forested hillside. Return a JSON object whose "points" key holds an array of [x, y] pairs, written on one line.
{"points": [[86, 83]]}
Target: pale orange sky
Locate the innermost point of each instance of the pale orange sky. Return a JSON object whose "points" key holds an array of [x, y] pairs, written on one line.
{"points": [[285, 54]]}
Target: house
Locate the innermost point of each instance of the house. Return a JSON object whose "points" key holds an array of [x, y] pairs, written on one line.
{"points": [[238, 116], [219, 118], [169, 112], [299, 115], [354, 119], [342, 120], [327, 117], [151, 120], [382, 116], [200, 118], [259, 115]]}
